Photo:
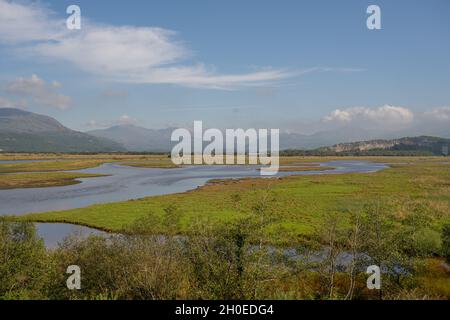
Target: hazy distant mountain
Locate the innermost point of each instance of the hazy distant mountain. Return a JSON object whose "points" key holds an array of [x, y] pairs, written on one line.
{"points": [[429, 144], [324, 138], [353, 134], [136, 138], [26, 131]]}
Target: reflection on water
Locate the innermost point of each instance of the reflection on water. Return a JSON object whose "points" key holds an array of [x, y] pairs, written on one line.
{"points": [[54, 233]]}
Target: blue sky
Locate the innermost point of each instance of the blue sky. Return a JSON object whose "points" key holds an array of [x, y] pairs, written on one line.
{"points": [[295, 65]]}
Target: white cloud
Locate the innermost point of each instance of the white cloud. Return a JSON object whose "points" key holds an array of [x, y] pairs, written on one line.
{"points": [[120, 53], [115, 51], [24, 23], [362, 116], [200, 76], [39, 92]]}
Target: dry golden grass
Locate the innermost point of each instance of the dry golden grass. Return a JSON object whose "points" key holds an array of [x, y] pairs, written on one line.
{"points": [[39, 180]]}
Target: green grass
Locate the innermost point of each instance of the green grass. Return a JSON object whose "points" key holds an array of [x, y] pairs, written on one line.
{"points": [[39, 180], [300, 202]]}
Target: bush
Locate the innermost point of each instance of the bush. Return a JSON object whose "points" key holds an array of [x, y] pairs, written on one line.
{"points": [[24, 263]]}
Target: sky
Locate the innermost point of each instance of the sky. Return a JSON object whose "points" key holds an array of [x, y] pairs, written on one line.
{"points": [[300, 66]]}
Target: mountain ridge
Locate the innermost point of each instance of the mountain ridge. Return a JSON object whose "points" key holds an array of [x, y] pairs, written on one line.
{"points": [[24, 131], [431, 144]]}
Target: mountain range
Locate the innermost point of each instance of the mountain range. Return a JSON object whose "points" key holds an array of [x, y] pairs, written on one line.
{"points": [[26, 131]]}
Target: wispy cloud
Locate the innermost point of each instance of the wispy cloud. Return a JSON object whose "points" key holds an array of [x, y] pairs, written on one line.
{"points": [[24, 23], [121, 53]]}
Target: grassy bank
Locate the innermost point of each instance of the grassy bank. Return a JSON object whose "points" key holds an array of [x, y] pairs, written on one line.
{"points": [[49, 166], [40, 180]]}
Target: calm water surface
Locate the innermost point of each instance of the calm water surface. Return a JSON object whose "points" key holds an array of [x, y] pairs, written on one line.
{"points": [[54, 233]]}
